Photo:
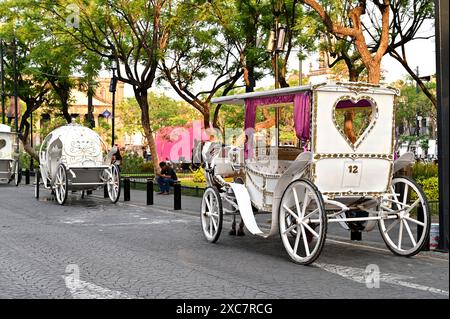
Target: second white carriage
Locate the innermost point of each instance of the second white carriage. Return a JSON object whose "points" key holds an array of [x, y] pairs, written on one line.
{"points": [[74, 158]]}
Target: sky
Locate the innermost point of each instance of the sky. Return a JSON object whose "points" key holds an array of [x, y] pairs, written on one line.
{"points": [[421, 53]]}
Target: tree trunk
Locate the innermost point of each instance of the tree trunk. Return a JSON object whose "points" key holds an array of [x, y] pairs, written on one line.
{"points": [[142, 99]]}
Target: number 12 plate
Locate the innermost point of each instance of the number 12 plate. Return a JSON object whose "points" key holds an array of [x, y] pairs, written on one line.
{"points": [[352, 173]]}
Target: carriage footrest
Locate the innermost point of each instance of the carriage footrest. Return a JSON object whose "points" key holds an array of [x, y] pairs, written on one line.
{"points": [[355, 235]]}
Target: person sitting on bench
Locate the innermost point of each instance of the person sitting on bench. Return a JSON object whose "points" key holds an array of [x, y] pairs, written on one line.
{"points": [[166, 178]]}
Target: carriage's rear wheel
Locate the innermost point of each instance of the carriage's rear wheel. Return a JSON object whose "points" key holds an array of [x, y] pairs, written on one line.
{"points": [[211, 214], [410, 205], [302, 221], [61, 184], [114, 184]]}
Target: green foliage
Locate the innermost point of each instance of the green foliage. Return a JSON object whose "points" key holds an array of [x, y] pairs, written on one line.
{"points": [[148, 167], [132, 163], [421, 171], [430, 187], [199, 176]]}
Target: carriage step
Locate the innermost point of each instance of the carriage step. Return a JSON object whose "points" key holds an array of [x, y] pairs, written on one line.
{"points": [[355, 235]]}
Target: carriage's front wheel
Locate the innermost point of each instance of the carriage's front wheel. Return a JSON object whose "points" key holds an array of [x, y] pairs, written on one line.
{"points": [[61, 184], [211, 214], [410, 205], [302, 221], [114, 184]]}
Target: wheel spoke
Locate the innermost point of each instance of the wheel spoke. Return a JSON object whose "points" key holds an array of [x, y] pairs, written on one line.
{"points": [[312, 231], [310, 214], [305, 240], [297, 240], [297, 204], [395, 222], [400, 235], [289, 229], [208, 204], [405, 194], [305, 204], [290, 211], [410, 208], [409, 232], [412, 220]]}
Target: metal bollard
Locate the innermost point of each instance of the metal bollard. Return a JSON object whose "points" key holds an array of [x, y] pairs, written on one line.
{"points": [[426, 246], [177, 196], [105, 191], [126, 189], [27, 176], [149, 191], [38, 181]]}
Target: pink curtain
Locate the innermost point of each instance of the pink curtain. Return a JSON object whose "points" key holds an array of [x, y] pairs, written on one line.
{"points": [[302, 110]]}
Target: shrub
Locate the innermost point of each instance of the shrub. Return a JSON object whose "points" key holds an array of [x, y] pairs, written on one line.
{"points": [[148, 167], [132, 163], [199, 175], [430, 187], [421, 171]]}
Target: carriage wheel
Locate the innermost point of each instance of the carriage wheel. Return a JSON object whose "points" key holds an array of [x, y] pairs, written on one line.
{"points": [[302, 221], [211, 214], [114, 184], [61, 184], [411, 206]]}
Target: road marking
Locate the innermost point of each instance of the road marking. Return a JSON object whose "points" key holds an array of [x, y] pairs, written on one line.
{"points": [[81, 289], [359, 275]]}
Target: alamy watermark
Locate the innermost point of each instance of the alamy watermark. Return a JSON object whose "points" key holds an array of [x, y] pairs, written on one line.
{"points": [[372, 276]]}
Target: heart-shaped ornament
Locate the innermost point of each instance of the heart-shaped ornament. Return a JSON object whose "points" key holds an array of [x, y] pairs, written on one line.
{"points": [[354, 118]]}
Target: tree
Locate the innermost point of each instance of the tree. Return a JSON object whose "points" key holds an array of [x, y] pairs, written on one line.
{"points": [[45, 63], [130, 32], [408, 16], [354, 11], [164, 111], [199, 49]]}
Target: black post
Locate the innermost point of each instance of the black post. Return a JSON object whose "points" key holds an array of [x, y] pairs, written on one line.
{"points": [[38, 181], [126, 189], [16, 97], [31, 141], [442, 74], [3, 82], [149, 191], [177, 196], [27, 176], [105, 191], [112, 89]]}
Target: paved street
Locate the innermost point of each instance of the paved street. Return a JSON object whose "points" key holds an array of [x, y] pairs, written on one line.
{"points": [[91, 248]]}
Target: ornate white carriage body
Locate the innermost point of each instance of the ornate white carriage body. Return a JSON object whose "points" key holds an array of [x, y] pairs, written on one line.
{"points": [[73, 157], [9, 157], [331, 174]]}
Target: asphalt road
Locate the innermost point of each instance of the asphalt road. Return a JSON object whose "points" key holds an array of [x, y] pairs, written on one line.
{"points": [[91, 248]]}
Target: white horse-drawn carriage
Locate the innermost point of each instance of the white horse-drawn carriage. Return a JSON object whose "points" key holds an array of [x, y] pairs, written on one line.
{"points": [[9, 156], [340, 169], [74, 158]]}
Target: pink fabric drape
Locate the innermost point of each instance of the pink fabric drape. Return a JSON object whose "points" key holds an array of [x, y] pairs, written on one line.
{"points": [[302, 110]]}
